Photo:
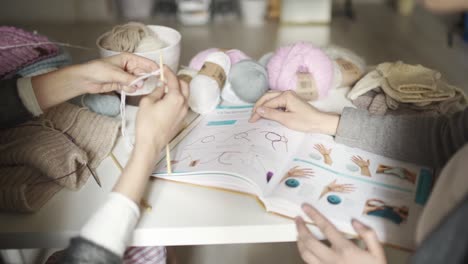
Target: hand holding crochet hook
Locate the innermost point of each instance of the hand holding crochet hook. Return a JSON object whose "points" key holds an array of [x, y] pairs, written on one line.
{"points": [[158, 119]]}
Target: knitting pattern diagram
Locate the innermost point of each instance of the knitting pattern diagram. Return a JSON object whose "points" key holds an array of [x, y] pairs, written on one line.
{"points": [[241, 148]]}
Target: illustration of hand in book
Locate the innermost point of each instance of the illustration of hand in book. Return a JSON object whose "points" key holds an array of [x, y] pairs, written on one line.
{"points": [[338, 188], [376, 207], [363, 165], [325, 153], [298, 172], [399, 172]]}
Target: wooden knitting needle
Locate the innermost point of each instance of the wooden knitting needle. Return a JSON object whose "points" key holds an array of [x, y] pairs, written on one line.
{"points": [[168, 151]]}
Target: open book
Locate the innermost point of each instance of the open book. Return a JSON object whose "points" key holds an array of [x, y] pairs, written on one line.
{"points": [[285, 168]]}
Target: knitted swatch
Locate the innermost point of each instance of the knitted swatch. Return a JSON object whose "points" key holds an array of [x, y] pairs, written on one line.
{"points": [[46, 65], [38, 158], [14, 58]]}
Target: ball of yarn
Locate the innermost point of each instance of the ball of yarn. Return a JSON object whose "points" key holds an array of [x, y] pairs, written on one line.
{"points": [[150, 43], [287, 61], [265, 59], [108, 105], [197, 61], [336, 52], [125, 38], [229, 96], [235, 56], [249, 80], [204, 90]]}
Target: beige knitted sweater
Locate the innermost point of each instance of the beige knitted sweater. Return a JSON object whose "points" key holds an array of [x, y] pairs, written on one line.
{"points": [[40, 157]]}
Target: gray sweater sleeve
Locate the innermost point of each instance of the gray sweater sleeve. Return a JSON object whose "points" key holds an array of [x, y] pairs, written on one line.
{"points": [[82, 251], [424, 140], [12, 109]]}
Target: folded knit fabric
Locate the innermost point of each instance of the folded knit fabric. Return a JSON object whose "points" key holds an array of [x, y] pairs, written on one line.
{"points": [[443, 92], [46, 65], [379, 103], [24, 190], [406, 78], [369, 82], [13, 58], [58, 150]]}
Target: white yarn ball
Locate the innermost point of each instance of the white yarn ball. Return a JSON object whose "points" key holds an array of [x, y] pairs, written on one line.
{"points": [[205, 92], [150, 43], [229, 96]]}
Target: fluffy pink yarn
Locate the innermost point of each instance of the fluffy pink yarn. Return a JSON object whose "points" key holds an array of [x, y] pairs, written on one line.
{"points": [[197, 61], [234, 54], [300, 57]]}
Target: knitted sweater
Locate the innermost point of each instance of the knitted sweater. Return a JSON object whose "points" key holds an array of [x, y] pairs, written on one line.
{"points": [[59, 149]]}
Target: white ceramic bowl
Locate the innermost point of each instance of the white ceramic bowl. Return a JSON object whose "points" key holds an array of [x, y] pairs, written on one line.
{"points": [[170, 53]]}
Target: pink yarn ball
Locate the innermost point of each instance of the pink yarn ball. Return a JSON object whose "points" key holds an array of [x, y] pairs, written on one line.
{"points": [[234, 54], [300, 57], [197, 61]]}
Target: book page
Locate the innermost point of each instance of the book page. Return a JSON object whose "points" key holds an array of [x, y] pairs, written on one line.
{"points": [[225, 142], [345, 183]]}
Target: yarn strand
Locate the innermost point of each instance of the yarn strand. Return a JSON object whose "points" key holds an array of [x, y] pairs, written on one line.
{"points": [[123, 96], [44, 43]]}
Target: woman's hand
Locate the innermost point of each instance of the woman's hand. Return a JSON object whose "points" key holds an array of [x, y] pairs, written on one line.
{"points": [[291, 111], [113, 73], [97, 76], [160, 115], [342, 250], [159, 118]]}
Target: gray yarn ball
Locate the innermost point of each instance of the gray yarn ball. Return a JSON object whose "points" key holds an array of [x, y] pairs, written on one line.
{"points": [[265, 59], [249, 80], [108, 105]]}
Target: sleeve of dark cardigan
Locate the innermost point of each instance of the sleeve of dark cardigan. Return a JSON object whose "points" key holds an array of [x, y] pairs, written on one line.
{"points": [[82, 251], [12, 109], [425, 140]]}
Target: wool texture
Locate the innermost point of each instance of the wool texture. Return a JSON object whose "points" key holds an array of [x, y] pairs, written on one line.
{"points": [[38, 158], [14, 58], [125, 38], [300, 57]]}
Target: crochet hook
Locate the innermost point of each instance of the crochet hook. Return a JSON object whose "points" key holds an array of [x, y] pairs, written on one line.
{"points": [[168, 151]]}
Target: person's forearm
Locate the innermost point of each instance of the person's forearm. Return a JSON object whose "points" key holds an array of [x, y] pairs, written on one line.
{"points": [[55, 87], [135, 176], [327, 125], [425, 140]]}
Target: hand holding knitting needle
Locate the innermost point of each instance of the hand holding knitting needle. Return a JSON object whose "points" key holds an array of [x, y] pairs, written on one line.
{"points": [[158, 120], [98, 76]]}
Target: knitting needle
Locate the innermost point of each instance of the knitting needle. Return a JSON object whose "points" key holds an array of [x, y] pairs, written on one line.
{"points": [[168, 151]]}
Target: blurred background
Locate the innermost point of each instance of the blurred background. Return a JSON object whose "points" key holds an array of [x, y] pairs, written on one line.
{"points": [[378, 30]]}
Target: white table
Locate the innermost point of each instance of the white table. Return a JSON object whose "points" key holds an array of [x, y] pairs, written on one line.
{"points": [[182, 214]]}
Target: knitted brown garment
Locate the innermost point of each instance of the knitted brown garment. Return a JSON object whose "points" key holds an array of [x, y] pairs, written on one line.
{"points": [[40, 157]]}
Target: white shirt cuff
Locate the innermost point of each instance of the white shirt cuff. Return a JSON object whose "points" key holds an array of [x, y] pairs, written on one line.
{"points": [[112, 225], [27, 96]]}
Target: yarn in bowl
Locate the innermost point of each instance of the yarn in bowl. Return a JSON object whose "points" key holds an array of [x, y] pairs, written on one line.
{"points": [[150, 49]]}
